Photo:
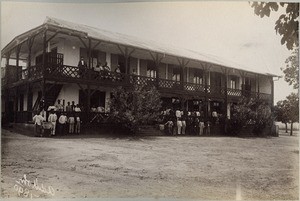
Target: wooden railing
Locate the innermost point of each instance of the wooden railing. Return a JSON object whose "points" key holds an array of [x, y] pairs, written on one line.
{"points": [[73, 73]]}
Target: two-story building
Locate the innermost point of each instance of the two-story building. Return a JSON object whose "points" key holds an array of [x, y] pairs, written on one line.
{"points": [[42, 64]]}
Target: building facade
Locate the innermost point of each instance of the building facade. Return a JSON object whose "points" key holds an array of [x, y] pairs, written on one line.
{"points": [[42, 67]]}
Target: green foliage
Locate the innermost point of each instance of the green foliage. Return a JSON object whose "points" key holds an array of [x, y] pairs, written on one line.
{"points": [[286, 25], [280, 112], [132, 108], [287, 111], [251, 112], [292, 69]]}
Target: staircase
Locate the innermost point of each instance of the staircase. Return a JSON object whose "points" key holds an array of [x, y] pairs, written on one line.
{"points": [[52, 94], [36, 105]]}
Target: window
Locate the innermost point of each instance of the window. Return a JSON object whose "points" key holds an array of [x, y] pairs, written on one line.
{"points": [[233, 82], [198, 77], [151, 73], [151, 70], [176, 74], [198, 80]]}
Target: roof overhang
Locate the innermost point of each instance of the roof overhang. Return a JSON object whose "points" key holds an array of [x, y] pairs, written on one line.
{"points": [[85, 32]]}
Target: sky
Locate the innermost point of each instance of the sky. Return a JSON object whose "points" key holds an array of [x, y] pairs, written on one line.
{"points": [[226, 29]]}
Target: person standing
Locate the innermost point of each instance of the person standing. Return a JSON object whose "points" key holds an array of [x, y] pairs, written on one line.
{"points": [[62, 123], [52, 119], [68, 107], [184, 117], [77, 126], [82, 66], [201, 125], [77, 108], [106, 70], [38, 120], [73, 106], [71, 121], [179, 122], [59, 106]]}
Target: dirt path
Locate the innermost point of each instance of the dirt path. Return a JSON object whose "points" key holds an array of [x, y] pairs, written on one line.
{"points": [[156, 167]]}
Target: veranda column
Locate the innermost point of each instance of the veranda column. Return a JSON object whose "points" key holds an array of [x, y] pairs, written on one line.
{"points": [[258, 90], [44, 68], [138, 67], [205, 68], [29, 45], [205, 95], [272, 92], [7, 90], [7, 59], [226, 92]]}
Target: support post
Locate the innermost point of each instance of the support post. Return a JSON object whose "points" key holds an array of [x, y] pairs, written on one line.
{"points": [[205, 68], [157, 60], [206, 95], [7, 58], [89, 53], [226, 91], [44, 66], [258, 90], [16, 104]]}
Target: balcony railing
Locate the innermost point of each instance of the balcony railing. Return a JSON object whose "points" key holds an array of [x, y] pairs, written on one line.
{"points": [[73, 74]]}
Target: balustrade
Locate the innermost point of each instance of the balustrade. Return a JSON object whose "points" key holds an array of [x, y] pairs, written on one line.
{"points": [[62, 72]]}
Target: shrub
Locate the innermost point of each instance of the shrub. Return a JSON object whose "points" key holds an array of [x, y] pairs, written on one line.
{"points": [[251, 112]]}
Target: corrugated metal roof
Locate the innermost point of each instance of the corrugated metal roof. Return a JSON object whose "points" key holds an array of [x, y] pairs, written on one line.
{"points": [[150, 45]]}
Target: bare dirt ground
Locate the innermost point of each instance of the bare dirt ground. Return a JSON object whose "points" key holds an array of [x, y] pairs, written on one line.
{"points": [[224, 168]]}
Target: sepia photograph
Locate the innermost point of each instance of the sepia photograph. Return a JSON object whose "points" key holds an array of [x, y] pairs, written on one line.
{"points": [[149, 100]]}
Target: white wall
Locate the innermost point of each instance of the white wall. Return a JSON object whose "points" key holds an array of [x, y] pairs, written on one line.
{"points": [[69, 92], [71, 52]]}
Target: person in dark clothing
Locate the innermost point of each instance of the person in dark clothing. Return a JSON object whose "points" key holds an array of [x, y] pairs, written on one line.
{"points": [[82, 65]]}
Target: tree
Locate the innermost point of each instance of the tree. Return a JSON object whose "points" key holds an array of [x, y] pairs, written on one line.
{"points": [[286, 25], [292, 69], [287, 111], [134, 107], [280, 113]]}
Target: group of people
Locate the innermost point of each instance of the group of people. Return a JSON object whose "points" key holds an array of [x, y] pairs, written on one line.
{"points": [[104, 71], [178, 122], [68, 121]]}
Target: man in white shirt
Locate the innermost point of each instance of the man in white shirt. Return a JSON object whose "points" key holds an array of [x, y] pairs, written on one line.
{"points": [[62, 123], [179, 122], [77, 108], [38, 120], [71, 121], [52, 119]]}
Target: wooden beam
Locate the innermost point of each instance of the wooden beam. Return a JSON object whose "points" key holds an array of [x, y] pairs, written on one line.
{"points": [[122, 52], [8, 57], [98, 43], [83, 42], [130, 53], [18, 49], [51, 37]]}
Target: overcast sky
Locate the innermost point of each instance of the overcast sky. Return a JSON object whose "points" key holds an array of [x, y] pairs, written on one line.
{"points": [[229, 30]]}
